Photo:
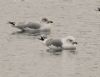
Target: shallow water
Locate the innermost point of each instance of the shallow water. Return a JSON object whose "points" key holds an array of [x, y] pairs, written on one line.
{"points": [[25, 56]]}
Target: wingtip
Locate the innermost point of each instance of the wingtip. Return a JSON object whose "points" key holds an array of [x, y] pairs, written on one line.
{"points": [[10, 22]]}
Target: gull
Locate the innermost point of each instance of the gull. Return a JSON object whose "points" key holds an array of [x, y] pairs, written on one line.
{"points": [[44, 27], [59, 44]]}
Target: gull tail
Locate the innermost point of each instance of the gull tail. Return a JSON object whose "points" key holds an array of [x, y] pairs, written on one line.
{"points": [[12, 23]]}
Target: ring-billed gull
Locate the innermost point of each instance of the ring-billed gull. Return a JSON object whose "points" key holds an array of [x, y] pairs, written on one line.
{"points": [[59, 44], [44, 27]]}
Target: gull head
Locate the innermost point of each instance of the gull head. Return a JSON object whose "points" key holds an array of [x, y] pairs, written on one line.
{"points": [[45, 20]]}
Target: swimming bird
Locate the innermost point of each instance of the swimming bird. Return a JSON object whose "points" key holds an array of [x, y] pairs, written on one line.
{"points": [[59, 44], [44, 27]]}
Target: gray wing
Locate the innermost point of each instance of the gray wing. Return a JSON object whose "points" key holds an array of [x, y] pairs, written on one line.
{"points": [[33, 25], [54, 42], [30, 25]]}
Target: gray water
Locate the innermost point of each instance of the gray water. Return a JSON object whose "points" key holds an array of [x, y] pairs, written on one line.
{"points": [[25, 56]]}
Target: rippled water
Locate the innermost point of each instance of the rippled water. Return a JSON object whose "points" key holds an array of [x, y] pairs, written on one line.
{"points": [[25, 56]]}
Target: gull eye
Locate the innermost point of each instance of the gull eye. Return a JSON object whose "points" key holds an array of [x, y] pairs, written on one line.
{"points": [[44, 19]]}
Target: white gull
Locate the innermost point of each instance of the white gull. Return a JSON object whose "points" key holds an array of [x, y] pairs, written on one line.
{"points": [[67, 43], [44, 27]]}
